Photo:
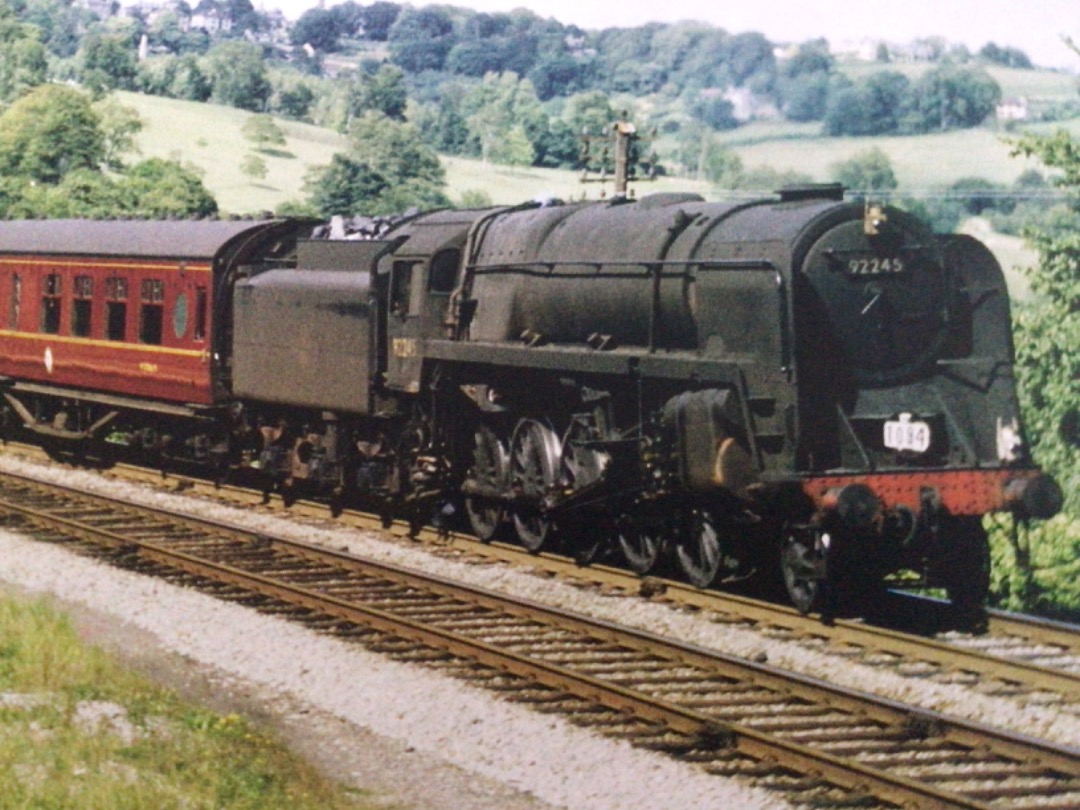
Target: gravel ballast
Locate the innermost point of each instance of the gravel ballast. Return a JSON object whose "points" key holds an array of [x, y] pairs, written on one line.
{"points": [[509, 748]]}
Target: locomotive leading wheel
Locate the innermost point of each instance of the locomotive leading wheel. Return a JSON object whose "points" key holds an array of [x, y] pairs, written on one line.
{"points": [[965, 566], [803, 565], [489, 470], [534, 472], [700, 549]]}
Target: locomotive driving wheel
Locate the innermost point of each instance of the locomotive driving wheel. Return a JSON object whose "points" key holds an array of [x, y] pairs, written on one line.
{"points": [[803, 566], [489, 470], [583, 465], [640, 536], [534, 472], [702, 547]]}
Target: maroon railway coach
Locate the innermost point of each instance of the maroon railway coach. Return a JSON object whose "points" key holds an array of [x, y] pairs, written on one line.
{"points": [[103, 318]]}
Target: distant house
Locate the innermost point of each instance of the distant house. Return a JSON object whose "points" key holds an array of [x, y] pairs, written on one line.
{"points": [[211, 17], [1013, 109]]}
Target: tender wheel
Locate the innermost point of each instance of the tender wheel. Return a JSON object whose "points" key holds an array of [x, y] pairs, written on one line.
{"points": [[641, 539], [803, 565], [491, 461], [699, 551], [534, 472]]}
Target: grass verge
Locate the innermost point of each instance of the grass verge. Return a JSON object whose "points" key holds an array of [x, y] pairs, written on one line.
{"points": [[78, 730]]}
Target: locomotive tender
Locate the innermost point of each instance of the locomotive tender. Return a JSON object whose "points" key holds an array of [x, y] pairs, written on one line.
{"points": [[797, 387]]}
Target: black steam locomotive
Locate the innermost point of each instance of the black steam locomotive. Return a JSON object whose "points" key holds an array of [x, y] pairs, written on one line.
{"points": [[796, 388]]}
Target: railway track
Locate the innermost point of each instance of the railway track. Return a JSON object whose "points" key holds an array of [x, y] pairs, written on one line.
{"points": [[1018, 656], [808, 739]]}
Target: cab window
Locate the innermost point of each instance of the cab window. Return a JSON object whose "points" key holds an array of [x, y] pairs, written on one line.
{"points": [[444, 269]]}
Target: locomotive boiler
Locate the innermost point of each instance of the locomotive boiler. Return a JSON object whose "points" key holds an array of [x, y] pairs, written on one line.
{"points": [[795, 389]]}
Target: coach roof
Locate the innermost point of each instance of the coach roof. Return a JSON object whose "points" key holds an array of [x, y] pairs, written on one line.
{"points": [[174, 239]]}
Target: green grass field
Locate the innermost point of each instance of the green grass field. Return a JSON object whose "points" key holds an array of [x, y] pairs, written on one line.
{"points": [[209, 137]]}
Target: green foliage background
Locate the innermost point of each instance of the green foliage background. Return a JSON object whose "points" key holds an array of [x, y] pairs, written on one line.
{"points": [[1036, 567]]}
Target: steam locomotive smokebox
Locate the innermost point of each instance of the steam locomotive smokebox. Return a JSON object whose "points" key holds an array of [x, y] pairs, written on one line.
{"points": [[303, 337]]}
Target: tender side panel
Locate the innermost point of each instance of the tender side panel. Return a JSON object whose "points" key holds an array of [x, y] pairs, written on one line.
{"points": [[134, 327], [303, 337]]}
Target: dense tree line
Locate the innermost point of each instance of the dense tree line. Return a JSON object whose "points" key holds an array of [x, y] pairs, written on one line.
{"points": [[510, 88], [62, 156], [945, 97]]}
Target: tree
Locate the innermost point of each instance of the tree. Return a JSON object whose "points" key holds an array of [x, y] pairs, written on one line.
{"points": [[1049, 334], [22, 56], [160, 189], [383, 91], [442, 126], [805, 97], [190, 81], [293, 100], [108, 63], [804, 81], [318, 28], [378, 19], [238, 75], [119, 126], [1036, 564], [394, 149], [421, 39], [499, 104], [263, 132], [705, 158], [387, 169], [1009, 57], [713, 109], [590, 113], [514, 148], [868, 107], [346, 187], [254, 167], [48, 133], [868, 172], [950, 97], [243, 15]]}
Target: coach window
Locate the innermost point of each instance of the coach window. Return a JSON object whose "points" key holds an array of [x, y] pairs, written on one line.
{"points": [[150, 314], [116, 293], [180, 316], [15, 304], [51, 304], [201, 310], [81, 310]]}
